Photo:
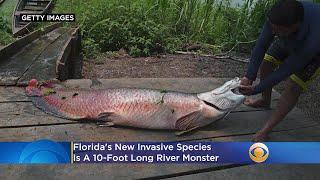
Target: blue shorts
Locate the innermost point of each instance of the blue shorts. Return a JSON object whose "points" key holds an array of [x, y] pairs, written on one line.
{"points": [[277, 53]]}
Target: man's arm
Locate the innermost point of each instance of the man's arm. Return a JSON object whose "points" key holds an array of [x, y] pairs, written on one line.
{"points": [[259, 50], [294, 63]]}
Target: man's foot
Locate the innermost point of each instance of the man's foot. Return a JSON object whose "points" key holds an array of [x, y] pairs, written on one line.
{"points": [[260, 137], [257, 103]]}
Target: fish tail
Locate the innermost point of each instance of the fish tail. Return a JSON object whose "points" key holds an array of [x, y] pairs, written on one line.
{"points": [[38, 92], [40, 103], [33, 88]]}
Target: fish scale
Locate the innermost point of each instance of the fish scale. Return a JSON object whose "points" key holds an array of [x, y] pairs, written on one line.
{"points": [[143, 108]]}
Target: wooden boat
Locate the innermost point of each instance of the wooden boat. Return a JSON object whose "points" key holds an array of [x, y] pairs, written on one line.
{"points": [[20, 28]]}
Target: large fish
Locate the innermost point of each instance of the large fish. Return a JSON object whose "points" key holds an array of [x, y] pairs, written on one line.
{"points": [[142, 108]]}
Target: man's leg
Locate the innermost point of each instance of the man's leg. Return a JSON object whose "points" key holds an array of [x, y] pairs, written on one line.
{"points": [[266, 69], [286, 103]]}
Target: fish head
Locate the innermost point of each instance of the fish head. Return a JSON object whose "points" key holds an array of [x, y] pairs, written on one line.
{"points": [[224, 98]]}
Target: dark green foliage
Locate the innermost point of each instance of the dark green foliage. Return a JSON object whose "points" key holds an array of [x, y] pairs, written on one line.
{"points": [[5, 31], [147, 27], [4, 24], [6, 9]]}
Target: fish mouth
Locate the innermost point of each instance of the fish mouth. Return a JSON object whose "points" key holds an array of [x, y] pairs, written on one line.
{"points": [[212, 105], [236, 91]]}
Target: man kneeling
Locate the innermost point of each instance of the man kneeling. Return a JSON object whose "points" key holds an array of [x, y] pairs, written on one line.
{"points": [[290, 46]]}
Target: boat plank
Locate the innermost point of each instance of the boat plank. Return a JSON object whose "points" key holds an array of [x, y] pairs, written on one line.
{"points": [[44, 67], [14, 67]]}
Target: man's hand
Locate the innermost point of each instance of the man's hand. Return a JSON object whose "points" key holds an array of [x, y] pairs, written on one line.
{"points": [[246, 90], [246, 87], [245, 81]]}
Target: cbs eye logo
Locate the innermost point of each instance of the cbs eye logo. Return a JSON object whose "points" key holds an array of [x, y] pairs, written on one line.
{"points": [[258, 152], [44, 151]]}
